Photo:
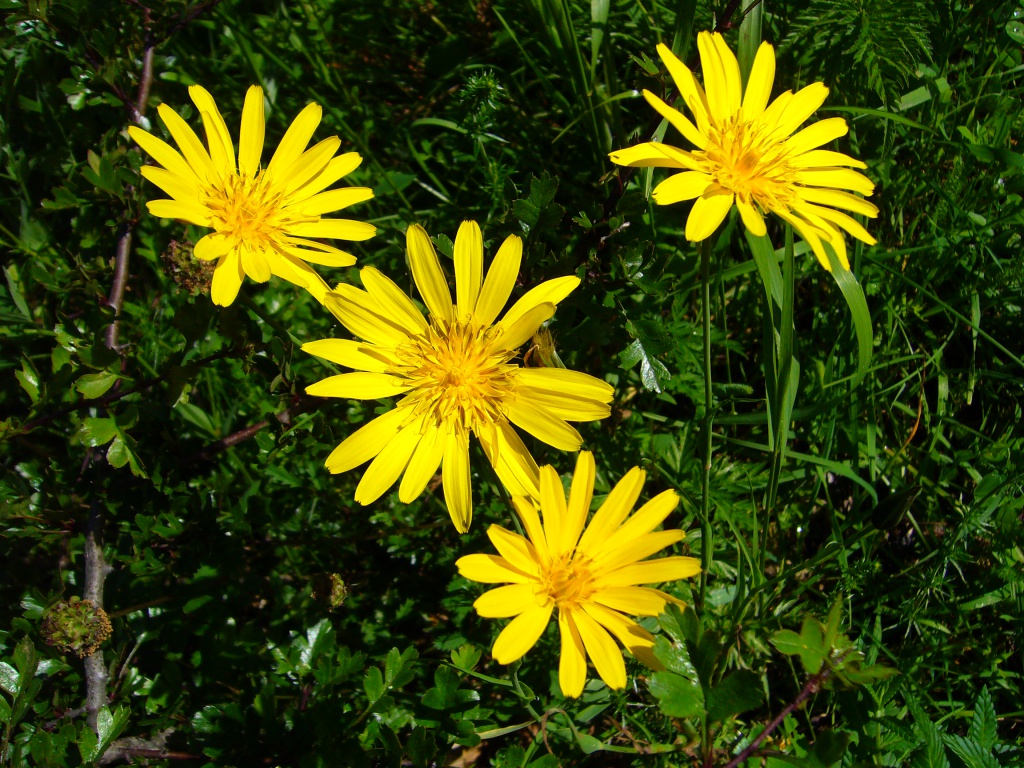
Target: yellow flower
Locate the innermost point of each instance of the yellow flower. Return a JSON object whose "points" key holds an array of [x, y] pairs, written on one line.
{"points": [[747, 154], [590, 578], [260, 217], [456, 371]]}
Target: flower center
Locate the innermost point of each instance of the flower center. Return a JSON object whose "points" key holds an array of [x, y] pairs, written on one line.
{"points": [[744, 159], [567, 581], [459, 377], [246, 208]]}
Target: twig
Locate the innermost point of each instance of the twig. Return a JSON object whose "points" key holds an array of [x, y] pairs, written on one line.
{"points": [[285, 417], [812, 686], [96, 566]]}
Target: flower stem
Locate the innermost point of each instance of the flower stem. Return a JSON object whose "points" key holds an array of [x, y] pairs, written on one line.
{"points": [[707, 541]]}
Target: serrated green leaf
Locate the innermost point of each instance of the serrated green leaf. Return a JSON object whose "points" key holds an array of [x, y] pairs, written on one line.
{"points": [[677, 696], [973, 754], [466, 656], [93, 385], [373, 684], [737, 693], [932, 752], [983, 729], [9, 678]]}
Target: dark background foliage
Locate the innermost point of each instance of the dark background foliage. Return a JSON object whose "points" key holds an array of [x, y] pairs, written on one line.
{"points": [[194, 449]]}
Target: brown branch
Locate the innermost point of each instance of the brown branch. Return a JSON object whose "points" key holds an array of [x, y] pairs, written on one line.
{"points": [[285, 417], [811, 687]]}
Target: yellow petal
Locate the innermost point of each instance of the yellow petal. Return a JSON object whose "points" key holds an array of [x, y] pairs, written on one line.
{"points": [[759, 84], [654, 155], [501, 278], [490, 569], [295, 177], [648, 517], [838, 217], [255, 265], [506, 601], [544, 425], [810, 235], [181, 188], [336, 169], [526, 511], [318, 253], [289, 268], [469, 267], [690, 90], [650, 572], [602, 650], [517, 550], [824, 158], [295, 140], [362, 314], [581, 492], [836, 199], [393, 301], [163, 153], [218, 137], [635, 638], [705, 216], [617, 505], [617, 553], [173, 209], [359, 386], [427, 274], [521, 634], [636, 601], [731, 73], [227, 279], [837, 178], [678, 120], [565, 406], [388, 464], [714, 79], [752, 218], [512, 461], [366, 442], [815, 135], [514, 335], [212, 246], [351, 354], [571, 382], [572, 663], [334, 200], [458, 492], [423, 465], [681, 186], [552, 502], [191, 147], [804, 103], [250, 142], [339, 229], [548, 292]]}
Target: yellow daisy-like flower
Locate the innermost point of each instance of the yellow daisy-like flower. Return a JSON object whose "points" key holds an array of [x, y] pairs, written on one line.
{"points": [[591, 576], [747, 153], [260, 216], [456, 371]]}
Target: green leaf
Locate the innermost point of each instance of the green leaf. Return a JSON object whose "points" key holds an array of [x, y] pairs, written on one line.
{"points": [[973, 754], [96, 432], [373, 684], [93, 385], [830, 746], [653, 372], [932, 753], [445, 695], [739, 692], [983, 729], [9, 678], [854, 295], [122, 451], [677, 696], [466, 656], [809, 645], [29, 380], [11, 275]]}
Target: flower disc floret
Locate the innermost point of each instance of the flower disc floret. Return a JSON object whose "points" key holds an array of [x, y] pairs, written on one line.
{"points": [[748, 153], [261, 217], [456, 373], [589, 574]]}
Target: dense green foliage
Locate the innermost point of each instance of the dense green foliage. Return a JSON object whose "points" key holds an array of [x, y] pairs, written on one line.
{"points": [[881, 525]]}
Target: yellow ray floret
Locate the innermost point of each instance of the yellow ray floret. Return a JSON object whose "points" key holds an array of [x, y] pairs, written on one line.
{"points": [[747, 154], [456, 373], [591, 575], [260, 217]]}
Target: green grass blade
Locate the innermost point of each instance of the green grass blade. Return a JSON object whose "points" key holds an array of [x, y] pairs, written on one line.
{"points": [[854, 295]]}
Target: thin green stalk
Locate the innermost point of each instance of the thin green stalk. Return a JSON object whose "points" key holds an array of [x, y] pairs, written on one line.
{"points": [[705, 478]]}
